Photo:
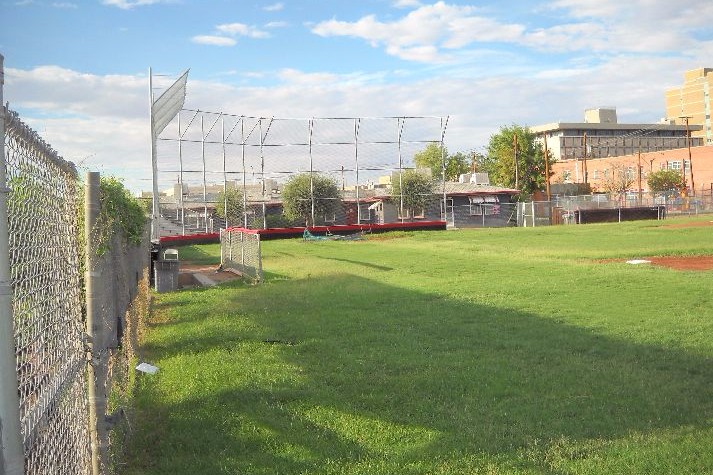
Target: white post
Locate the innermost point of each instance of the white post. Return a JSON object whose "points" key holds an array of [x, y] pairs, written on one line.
{"points": [[533, 214], [12, 459]]}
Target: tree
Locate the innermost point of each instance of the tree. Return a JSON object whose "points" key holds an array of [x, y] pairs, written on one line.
{"points": [[665, 180], [298, 199], [529, 174], [412, 188], [432, 157], [620, 180], [229, 206]]}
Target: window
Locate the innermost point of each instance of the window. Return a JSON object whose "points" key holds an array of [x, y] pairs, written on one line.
{"points": [[405, 215], [419, 214], [484, 205], [595, 175], [566, 175]]}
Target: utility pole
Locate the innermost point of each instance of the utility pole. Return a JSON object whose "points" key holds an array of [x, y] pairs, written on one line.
{"points": [[584, 155], [517, 173], [690, 161], [547, 169], [639, 172]]}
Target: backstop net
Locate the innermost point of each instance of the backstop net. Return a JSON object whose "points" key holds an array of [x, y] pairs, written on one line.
{"points": [[205, 158]]}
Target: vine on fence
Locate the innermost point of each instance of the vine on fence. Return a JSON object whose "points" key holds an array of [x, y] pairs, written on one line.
{"points": [[119, 212]]}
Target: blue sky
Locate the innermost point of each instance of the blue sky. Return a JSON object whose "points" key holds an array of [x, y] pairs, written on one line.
{"points": [[77, 70]]}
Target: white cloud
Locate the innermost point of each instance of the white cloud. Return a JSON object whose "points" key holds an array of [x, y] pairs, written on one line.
{"points": [[129, 4], [241, 29], [83, 114], [65, 5], [276, 24], [275, 7], [213, 40], [434, 32], [407, 3], [423, 33]]}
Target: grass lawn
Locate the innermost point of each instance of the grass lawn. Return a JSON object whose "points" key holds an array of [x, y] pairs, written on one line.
{"points": [[494, 351]]}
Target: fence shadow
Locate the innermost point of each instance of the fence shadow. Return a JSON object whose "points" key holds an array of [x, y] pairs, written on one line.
{"points": [[399, 377]]}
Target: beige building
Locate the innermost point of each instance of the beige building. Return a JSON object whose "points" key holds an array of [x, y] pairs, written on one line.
{"points": [[601, 136], [694, 99]]}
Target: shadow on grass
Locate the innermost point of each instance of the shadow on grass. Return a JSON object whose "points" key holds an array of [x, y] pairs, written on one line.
{"points": [[359, 263], [395, 377]]}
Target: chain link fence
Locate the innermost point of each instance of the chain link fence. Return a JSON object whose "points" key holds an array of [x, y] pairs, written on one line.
{"points": [[61, 377], [240, 252], [616, 207], [46, 303]]}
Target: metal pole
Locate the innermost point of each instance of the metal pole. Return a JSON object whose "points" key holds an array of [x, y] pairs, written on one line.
{"points": [[180, 167], [262, 172], [311, 167], [205, 191], [443, 159], [356, 166], [400, 126], [92, 278], [12, 459], [155, 231], [245, 194], [225, 174], [517, 168]]}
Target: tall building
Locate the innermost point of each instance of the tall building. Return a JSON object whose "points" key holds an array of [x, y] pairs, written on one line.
{"points": [[694, 99], [600, 136]]}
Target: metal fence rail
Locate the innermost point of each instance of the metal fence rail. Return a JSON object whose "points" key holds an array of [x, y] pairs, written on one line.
{"points": [[240, 252]]}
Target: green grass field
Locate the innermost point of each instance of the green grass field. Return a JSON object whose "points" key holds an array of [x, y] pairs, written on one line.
{"points": [[494, 351]]}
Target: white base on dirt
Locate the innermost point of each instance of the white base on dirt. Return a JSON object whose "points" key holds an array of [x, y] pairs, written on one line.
{"points": [[638, 261]]}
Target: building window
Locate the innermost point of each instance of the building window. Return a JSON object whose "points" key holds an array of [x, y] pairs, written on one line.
{"points": [[566, 175], [595, 175], [676, 165], [484, 205], [405, 215]]}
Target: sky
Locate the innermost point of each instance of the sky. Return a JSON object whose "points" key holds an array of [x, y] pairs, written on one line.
{"points": [[77, 71]]}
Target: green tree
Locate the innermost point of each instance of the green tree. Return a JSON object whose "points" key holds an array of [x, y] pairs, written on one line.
{"points": [[665, 180], [297, 197], [527, 173], [229, 206], [417, 189], [432, 157]]}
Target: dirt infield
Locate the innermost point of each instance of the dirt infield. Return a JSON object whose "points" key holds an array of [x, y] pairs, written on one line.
{"points": [[695, 263], [692, 224], [700, 263], [186, 272]]}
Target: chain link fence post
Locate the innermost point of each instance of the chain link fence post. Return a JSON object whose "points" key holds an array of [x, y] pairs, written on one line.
{"points": [[92, 282], [12, 458]]}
